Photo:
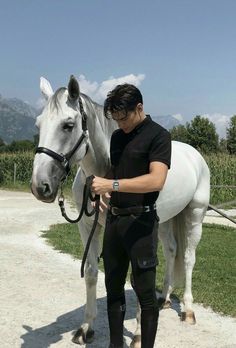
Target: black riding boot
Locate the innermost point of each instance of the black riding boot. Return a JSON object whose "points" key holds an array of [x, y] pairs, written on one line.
{"points": [[116, 320], [149, 322]]}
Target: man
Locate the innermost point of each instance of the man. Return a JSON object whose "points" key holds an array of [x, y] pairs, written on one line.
{"points": [[140, 156]]}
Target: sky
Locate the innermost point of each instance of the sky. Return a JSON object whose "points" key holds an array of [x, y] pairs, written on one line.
{"points": [[180, 53]]}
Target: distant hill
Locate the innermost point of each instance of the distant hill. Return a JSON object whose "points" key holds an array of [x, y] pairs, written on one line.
{"points": [[17, 120], [167, 122]]}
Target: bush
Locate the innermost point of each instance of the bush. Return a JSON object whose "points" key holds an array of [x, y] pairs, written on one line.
{"points": [[23, 163], [222, 169]]}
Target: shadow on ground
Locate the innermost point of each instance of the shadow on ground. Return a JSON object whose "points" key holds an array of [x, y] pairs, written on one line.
{"points": [[45, 336]]}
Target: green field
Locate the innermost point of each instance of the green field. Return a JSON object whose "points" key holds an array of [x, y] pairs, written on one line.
{"points": [[222, 169], [214, 276], [16, 170]]}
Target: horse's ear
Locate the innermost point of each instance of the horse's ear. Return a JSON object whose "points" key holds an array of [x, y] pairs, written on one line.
{"points": [[73, 89], [46, 88]]}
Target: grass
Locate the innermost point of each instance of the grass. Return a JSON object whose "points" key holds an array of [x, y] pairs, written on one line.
{"points": [[16, 187], [214, 275]]}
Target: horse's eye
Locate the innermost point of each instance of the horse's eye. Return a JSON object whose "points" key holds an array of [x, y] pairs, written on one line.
{"points": [[68, 126]]}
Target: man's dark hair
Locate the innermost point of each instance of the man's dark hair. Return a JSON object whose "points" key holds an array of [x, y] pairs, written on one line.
{"points": [[123, 98]]}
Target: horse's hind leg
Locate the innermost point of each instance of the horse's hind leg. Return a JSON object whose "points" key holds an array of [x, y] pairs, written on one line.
{"points": [[85, 334], [169, 244], [194, 214]]}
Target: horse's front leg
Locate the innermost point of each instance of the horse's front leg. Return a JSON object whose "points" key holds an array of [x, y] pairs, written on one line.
{"points": [[85, 334], [136, 341]]}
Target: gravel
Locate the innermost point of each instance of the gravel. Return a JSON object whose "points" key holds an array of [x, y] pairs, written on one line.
{"points": [[42, 295]]}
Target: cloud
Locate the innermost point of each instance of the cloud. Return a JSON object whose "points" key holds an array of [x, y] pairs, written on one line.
{"points": [[87, 87], [220, 121], [98, 92], [178, 117]]}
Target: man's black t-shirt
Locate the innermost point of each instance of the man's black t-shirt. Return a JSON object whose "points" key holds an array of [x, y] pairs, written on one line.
{"points": [[131, 154]]}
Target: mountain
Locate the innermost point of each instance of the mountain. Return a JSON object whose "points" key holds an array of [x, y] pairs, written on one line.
{"points": [[17, 120], [22, 107], [167, 122]]}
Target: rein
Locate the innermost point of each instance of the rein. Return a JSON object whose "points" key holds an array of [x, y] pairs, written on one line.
{"points": [[87, 195], [64, 160]]}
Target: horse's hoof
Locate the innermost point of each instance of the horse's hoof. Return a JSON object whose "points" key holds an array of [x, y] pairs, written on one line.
{"points": [[136, 342], [161, 302], [167, 305], [188, 317], [81, 337]]}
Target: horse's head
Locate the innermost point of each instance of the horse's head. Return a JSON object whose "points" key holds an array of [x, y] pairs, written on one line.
{"points": [[62, 138]]}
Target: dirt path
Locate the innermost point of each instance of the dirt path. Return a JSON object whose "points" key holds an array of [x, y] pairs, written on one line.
{"points": [[42, 296]]}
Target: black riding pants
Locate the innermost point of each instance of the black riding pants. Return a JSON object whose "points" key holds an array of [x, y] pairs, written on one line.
{"points": [[131, 239]]}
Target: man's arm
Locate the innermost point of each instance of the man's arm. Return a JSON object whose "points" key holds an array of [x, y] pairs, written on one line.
{"points": [[153, 181]]}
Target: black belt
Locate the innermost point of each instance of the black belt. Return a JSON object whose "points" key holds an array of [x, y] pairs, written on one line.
{"points": [[136, 210]]}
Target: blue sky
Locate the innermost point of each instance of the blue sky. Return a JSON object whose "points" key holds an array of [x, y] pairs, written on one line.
{"points": [[181, 53]]}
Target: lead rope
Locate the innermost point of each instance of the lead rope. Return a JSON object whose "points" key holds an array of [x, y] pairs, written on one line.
{"points": [[97, 203], [87, 194], [221, 213]]}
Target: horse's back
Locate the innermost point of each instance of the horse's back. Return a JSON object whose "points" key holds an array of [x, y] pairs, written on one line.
{"points": [[187, 174]]}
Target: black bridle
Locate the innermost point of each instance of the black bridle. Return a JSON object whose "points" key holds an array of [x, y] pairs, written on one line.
{"points": [[64, 159]]}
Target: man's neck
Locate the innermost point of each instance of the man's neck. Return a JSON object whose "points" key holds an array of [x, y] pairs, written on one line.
{"points": [[141, 119]]}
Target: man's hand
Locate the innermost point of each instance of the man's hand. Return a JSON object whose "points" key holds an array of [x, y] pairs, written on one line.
{"points": [[100, 186], [102, 205]]}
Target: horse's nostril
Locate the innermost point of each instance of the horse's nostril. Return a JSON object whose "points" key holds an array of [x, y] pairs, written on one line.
{"points": [[46, 188]]}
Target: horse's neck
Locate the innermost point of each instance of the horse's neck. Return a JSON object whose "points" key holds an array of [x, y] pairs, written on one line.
{"points": [[97, 160]]}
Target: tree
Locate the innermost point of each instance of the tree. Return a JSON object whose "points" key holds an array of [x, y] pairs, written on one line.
{"points": [[1, 141], [202, 135], [231, 136], [179, 133], [36, 140], [223, 145], [21, 145]]}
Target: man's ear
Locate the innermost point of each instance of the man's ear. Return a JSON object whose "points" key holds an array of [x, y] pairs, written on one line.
{"points": [[139, 107]]}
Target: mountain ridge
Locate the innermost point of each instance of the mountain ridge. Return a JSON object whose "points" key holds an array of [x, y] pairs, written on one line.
{"points": [[17, 120]]}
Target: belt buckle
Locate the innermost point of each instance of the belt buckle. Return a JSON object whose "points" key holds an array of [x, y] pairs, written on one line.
{"points": [[146, 209], [114, 211]]}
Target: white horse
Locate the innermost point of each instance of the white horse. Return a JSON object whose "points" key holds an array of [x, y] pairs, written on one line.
{"points": [[181, 205]]}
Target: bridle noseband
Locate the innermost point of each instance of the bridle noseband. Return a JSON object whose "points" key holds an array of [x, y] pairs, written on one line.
{"points": [[65, 159]]}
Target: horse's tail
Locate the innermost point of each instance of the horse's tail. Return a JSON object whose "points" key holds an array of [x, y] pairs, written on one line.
{"points": [[179, 228]]}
